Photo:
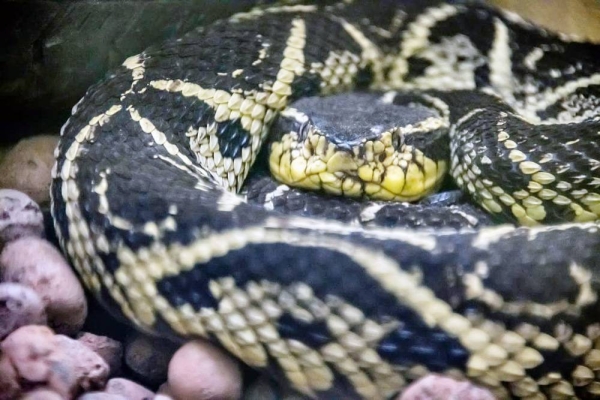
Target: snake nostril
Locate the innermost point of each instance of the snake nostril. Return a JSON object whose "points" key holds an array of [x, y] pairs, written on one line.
{"points": [[397, 139], [304, 129]]}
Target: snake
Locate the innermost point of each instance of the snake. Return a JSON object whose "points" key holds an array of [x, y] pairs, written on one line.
{"points": [[148, 167]]}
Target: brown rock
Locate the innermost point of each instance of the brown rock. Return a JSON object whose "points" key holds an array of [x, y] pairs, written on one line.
{"points": [[200, 371], [128, 389], [19, 306], [36, 263], [436, 387], [109, 349], [19, 216], [56, 362], [27, 167], [148, 357]]}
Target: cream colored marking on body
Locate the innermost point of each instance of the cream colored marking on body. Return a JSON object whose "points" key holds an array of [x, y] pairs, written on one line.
{"points": [[368, 213], [531, 59], [249, 331], [82, 239], [136, 65], [487, 237], [472, 219], [160, 139], [229, 201], [404, 286], [197, 173], [583, 276], [476, 290], [467, 117], [371, 53], [259, 12], [104, 207], [293, 113], [338, 72], [416, 38], [553, 95], [279, 190], [423, 239], [388, 97], [255, 112], [500, 62]]}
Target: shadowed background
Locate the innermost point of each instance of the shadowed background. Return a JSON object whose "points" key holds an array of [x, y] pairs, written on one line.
{"points": [[52, 50]]}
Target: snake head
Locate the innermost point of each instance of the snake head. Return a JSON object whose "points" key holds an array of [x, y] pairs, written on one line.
{"points": [[360, 145]]}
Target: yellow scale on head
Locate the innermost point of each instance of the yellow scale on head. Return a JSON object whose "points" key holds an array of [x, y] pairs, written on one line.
{"points": [[375, 162]]}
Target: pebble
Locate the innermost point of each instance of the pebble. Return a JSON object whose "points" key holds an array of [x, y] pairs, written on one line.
{"points": [[162, 397], [164, 393], [128, 389], [200, 371], [148, 357], [436, 387], [36, 263], [27, 167], [164, 389], [34, 356], [109, 349], [101, 396], [41, 394], [19, 216], [19, 306], [9, 379]]}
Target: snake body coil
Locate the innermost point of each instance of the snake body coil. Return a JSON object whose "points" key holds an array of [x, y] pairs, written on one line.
{"points": [[142, 202]]}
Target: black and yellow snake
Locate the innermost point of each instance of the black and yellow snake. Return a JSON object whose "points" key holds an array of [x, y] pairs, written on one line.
{"points": [[146, 166]]}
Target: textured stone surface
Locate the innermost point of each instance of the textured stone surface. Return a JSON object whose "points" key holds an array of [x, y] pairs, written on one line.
{"points": [[33, 356], [148, 358], [27, 167], [19, 306], [19, 216], [109, 349], [36, 263], [199, 371], [436, 387], [128, 389]]}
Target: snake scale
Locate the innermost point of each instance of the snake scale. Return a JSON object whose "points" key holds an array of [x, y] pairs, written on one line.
{"points": [[144, 206]]}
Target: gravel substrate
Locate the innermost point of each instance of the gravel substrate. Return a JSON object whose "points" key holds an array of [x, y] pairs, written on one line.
{"points": [[57, 343]]}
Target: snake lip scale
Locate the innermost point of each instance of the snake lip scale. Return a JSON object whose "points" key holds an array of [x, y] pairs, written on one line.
{"points": [[144, 203]]}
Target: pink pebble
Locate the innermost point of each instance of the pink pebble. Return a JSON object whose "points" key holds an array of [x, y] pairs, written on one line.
{"points": [[128, 389], [109, 349], [19, 306], [199, 371], [38, 358], [436, 387], [36, 263]]}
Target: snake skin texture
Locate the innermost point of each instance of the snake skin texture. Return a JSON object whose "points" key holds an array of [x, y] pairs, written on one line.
{"points": [[144, 206], [264, 191]]}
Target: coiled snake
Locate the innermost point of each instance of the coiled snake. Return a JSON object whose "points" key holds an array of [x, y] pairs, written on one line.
{"points": [[142, 202]]}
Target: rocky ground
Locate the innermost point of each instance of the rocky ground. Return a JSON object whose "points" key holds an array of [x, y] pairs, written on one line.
{"points": [[57, 343]]}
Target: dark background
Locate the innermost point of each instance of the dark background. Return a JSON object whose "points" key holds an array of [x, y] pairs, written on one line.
{"points": [[51, 51]]}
